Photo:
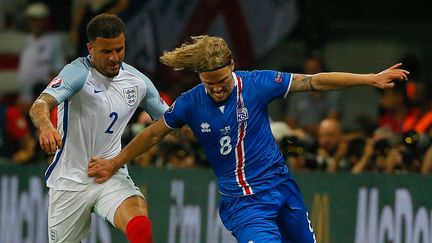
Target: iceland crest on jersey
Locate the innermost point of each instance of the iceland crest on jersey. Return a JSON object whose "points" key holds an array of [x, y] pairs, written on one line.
{"points": [[242, 114], [131, 95]]}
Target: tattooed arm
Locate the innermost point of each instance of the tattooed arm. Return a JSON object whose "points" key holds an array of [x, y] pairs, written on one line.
{"points": [[339, 80], [49, 137]]}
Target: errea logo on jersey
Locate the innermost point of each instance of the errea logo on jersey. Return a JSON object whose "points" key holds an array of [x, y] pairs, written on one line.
{"points": [[205, 127]]}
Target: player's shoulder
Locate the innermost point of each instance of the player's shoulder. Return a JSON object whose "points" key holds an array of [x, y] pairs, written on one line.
{"points": [[130, 68], [76, 71], [82, 64], [243, 73], [135, 72], [192, 96], [248, 76], [262, 76], [194, 92], [254, 73]]}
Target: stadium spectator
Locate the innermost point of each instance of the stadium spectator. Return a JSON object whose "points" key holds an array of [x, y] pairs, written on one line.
{"points": [[396, 111], [96, 97], [260, 201], [307, 110], [83, 12], [176, 155], [42, 55], [332, 147], [427, 161], [16, 141], [382, 153]]}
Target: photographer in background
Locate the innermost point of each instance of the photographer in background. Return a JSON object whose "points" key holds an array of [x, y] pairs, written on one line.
{"points": [[332, 146], [299, 152], [384, 152], [297, 147]]}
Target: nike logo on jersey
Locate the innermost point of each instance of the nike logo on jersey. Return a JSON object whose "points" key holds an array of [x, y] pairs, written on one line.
{"points": [[97, 91]]}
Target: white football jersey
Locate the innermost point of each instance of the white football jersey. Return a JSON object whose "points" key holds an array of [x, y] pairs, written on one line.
{"points": [[93, 112]]}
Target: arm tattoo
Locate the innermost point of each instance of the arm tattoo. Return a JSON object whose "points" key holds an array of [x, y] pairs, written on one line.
{"points": [[50, 101], [302, 83], [40, 110]]}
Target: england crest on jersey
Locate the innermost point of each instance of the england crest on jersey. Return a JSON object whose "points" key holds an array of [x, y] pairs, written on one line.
{"points": [[131, 95]]}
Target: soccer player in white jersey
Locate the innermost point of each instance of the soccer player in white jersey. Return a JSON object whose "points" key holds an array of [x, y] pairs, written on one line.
{"points": [[227, 112], [96, 97]]}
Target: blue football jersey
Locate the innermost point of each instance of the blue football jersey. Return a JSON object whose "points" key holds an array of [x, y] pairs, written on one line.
{"points": [[236, 136]]}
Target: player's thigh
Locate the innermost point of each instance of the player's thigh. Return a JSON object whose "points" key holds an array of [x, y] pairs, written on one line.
{"points": [[264, 230], [295, 226], [129, 209], [119, 188], [69, 215]]}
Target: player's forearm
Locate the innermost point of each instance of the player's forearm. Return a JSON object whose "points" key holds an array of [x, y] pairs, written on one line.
{"points": [[339, 80], [40, 115], [141, 143]]}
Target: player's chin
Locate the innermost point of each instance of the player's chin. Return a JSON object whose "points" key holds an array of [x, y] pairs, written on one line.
{"points": [[219, 98], [112, 73]]}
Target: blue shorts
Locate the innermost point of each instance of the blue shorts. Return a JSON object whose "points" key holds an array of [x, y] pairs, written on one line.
{"points": [[276, 215]]}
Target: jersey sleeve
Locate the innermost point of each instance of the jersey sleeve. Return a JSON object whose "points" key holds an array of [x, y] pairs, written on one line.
{"points": [[152, 103], [69, 81], [175, 116], [272, 84]]}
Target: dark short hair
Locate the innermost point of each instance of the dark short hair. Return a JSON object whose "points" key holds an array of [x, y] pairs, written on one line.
{"points": [[104, 26]]}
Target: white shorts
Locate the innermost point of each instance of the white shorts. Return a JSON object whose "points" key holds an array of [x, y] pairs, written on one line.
{"points": [[69, 212]]}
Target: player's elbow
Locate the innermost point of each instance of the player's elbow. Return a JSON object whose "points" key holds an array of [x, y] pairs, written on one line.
{"points": [[318, 84]]}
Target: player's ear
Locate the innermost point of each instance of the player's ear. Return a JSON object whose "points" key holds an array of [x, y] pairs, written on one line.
{"points": [[232, 64], [90, 48]]}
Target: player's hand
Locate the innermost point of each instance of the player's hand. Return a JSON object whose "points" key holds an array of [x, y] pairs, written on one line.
{"points": [[50, 140], [101, 169], [386, 79]]}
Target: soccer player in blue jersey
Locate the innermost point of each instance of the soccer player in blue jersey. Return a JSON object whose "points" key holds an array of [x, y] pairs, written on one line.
{"points": [[227, 112], [96, 97]]}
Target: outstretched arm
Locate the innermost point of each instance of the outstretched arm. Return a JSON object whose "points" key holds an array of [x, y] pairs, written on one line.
{"points": [[340, 80], [49, 137], [103, 169]]}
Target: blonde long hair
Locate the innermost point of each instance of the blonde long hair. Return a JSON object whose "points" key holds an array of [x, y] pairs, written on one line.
{"points": [[205, 53]]}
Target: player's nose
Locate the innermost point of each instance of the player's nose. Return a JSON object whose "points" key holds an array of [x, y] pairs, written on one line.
{"points": [[114, 57]]}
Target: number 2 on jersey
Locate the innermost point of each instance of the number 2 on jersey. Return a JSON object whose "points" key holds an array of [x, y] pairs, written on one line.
{"points": [[115, 115]]}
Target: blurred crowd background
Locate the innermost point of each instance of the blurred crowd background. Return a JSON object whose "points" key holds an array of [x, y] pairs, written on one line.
{"points": [[357, 130]]}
